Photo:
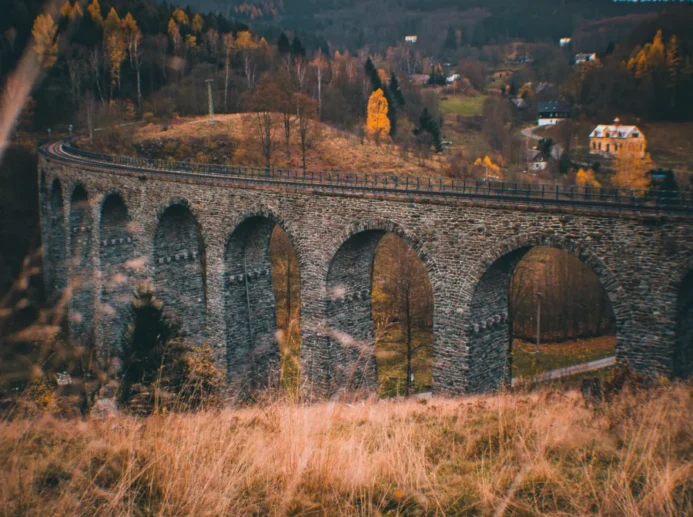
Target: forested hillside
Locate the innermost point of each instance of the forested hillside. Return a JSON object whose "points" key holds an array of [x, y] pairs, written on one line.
{"points": [[355, 23]]}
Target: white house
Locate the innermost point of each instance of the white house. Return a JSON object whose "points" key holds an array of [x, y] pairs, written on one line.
{"points": [[452, 78], [411, 39], [563, 42], [551, 113], [584, 57]]}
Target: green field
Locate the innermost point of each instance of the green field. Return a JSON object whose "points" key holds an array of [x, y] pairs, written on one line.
{"points": [[462, 105], [558, 355]]}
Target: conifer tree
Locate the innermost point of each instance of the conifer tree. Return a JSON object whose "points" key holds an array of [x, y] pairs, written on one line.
{"points": [[396, 90], [283, 45], [428, 125], [297, 49]]}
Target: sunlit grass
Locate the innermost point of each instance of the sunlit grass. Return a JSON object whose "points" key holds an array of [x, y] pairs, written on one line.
{"points": [[463, 105], [540, 453], [559, 355]]}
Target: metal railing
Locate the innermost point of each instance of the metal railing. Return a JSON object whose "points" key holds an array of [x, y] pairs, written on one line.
{"points": [[388, 184]]}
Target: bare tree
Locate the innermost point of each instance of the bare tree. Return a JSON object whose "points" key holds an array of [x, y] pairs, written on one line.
{"points": [[306, 110], [263, 103], [409, 296]]}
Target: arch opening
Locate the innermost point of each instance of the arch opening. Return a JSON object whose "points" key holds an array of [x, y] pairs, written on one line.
{"points": [[537, 309], [180, 271], [378, 335], [116, 250], [683, 352], [82, 270], [402, 300], [262, 306]]}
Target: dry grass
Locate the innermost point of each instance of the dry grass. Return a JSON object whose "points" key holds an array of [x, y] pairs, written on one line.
{"points": [[330, 149], [527, 454]]}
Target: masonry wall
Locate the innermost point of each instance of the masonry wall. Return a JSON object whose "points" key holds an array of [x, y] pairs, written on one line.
{"points": [[251, 328], [116, 252], [640, 260]]}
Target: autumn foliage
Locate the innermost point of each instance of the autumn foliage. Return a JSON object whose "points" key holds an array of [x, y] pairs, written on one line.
{"points": [[377, 123]]}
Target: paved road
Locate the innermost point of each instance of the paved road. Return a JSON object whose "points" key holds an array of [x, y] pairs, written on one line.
{"points": [[529, 133], [569, 370]]}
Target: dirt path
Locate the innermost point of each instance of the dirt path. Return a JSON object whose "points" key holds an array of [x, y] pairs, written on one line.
{"points": [[568, 370]]}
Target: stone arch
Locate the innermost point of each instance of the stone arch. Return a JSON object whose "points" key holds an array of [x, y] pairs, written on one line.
{"points": [[249, 301], [82, 268], [683, 346], [116, 250], [486, 324], [349, 318], [55, 245], [179, 268], [387, 226]]}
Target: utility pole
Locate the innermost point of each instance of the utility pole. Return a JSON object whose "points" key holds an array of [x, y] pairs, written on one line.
{"points": [[210, 100], [539, 297]]}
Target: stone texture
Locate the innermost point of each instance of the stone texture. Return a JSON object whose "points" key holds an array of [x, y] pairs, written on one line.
{"points": [[214, 233]]}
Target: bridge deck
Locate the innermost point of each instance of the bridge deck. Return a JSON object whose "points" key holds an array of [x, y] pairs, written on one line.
{"points": [[495, 192]]}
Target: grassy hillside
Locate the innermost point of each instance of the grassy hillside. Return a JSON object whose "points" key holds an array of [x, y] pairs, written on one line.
{"points": [[542, 453], [232, 140]]}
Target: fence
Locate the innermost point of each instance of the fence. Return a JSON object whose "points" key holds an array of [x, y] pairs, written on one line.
{"points": [[387, 184]]}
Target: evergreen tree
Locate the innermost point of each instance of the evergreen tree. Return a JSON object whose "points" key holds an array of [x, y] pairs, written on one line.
{"points": [[450, 40], [396, 90], [428, 125], [147, 346], [297, 49], [372, 72], [564, 163], [283, 45]]}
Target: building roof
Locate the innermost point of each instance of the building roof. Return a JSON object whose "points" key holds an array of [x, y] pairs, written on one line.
{"points": [[555, 106], [615, 130]]}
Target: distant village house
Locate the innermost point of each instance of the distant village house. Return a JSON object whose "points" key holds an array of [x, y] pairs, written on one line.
{"points": [[564, 42], [411, 39], [452, 78], [551, 113], [616, 139], [584, 57]]}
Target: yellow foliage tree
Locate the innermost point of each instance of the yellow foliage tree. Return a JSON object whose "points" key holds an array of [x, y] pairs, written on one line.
{"points": [[377, 123], [488, 165], [116, 45], [45, 34], [180, 17], [197, 23], [586, 178], [174, 33], [71, 11], [631, 171], [190, 41], [94, 10]]}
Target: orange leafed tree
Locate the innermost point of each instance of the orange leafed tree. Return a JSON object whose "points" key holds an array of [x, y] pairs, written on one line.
{"points": [[631, 171], [94, 10], [377, 123], [197, 23], [116, 46], [586, 178], [180, 17], [45, 34]]}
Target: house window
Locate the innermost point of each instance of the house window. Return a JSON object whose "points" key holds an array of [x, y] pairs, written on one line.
{"points": [[607, 147], [594, 145], [600, 146]]}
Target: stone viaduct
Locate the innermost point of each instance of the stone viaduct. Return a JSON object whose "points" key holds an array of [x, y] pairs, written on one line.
{"points": [[200, 235]]}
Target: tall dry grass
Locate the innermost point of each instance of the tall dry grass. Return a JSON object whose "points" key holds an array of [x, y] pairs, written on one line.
{"points": [[542, 453]]}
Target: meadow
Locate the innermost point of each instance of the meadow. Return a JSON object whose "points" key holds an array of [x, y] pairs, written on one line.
{"points": [[520, 454]]}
